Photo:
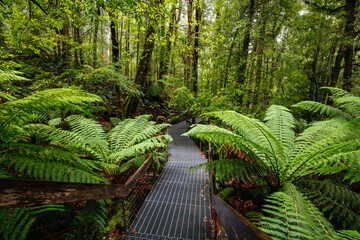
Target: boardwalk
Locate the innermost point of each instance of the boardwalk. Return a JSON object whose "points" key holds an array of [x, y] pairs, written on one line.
{"points": [[178, 207]]}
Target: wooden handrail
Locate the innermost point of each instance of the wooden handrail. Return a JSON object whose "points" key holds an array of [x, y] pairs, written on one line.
{"points": [[22, 193]]}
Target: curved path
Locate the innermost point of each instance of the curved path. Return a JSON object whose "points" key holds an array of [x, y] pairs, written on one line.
{"points": [[179, 205]]}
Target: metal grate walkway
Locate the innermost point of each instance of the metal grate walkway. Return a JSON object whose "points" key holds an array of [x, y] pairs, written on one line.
{"points": [[179, 205]]}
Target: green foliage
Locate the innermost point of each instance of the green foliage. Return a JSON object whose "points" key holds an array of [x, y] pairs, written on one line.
{"points": [[91, 222], [225, 192], [16, 222]]}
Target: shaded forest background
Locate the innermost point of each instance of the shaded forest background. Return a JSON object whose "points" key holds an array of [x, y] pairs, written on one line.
{"points": [[171, 57]]}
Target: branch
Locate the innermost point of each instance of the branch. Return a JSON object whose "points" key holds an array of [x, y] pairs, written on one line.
{"points": [[37, 4], [322, 8]]}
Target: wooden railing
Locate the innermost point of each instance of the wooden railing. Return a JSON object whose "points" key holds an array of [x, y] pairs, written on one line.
{"points": [[22, 193]]}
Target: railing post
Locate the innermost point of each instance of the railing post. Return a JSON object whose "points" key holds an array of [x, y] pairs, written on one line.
{"points": [[155, 168], [124, 214], [214, 233]]}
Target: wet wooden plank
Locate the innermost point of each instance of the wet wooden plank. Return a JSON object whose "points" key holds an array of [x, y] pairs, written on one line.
{"points": [[21, 193]]}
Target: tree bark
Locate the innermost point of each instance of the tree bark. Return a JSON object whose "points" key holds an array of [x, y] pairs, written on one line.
{"points": [[114, 39], [189, 40], [245, 46], [335, 71], [196, 47], [127, 47], [350, 36], [96, 30], [227, 66]]}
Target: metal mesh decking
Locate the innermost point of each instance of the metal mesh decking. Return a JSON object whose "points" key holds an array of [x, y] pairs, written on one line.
{"points": [[179, 205]]}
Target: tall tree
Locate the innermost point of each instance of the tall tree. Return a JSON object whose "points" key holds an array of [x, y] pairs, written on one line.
{"points": [[143, 68]]}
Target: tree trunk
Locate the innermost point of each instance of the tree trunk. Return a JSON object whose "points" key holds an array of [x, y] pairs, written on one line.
{"points": [[227, 66], [196, 47], [350, 37], [335, 71], [189, 41], [143, 68], [114, 39], [2, 40], [245, 46], [96, 30], [259, 63], [127, 47]]}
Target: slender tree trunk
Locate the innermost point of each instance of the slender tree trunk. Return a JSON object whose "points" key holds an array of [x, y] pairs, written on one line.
{"points": [[163, 53], [2, 39], [335, 71], [96, 30], [138, 45], [196, 47], [350, 36], [114, 39], [228, 61], [172, 61], [259, 63], [189, 40], [127, 48], [245, 46], [143, 68], [121, 37]]}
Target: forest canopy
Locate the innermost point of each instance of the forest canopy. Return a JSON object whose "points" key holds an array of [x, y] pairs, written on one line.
{"points": [[277, 80]]}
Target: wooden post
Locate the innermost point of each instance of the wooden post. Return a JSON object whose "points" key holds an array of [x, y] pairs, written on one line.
{"points": [[124, 213]]}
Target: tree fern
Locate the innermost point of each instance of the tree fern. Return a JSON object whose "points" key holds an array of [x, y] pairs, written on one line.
{"points": [[276, 155], [129, 138]]}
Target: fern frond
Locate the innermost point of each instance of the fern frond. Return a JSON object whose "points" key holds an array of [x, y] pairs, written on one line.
{"points": [[92, 133], [281, 123], [351, 104], [340, 203], [44, 169], [295, 217], [221, 137], [15, 223], [91, 221], [134, 162], [349, 234], [140, 148], [24, 110], [353, 174], [7, 76], [251, 129], [337, 92], [255, 218], [321, 108], [320, 155], [231, 169], [225, 192]]}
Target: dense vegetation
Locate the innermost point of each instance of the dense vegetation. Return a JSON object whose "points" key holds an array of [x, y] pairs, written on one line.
{"points": [[78, 76]]}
